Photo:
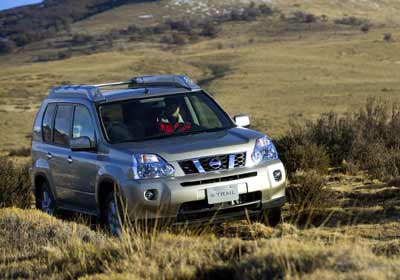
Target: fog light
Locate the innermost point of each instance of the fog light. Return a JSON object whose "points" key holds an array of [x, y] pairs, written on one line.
{"points": [[277, 175], [150, 194]]}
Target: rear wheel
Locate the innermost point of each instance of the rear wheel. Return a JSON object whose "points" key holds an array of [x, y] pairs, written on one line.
{"points": [[112, 215], [271, 217], [44, 200]]}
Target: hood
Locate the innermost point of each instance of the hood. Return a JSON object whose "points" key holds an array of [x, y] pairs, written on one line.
{"points": [[228, 141]]}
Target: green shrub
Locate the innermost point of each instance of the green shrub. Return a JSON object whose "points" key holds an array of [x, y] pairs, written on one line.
{"points": [[209, 29], [354, 21], [303, 17], [6, 46], [15, 186], [305, 157], [367, 138], [365, 27], [299, 153], [265, 9]]}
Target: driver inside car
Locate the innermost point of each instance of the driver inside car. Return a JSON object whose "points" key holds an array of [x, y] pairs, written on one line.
{"points": [[171, 120]]}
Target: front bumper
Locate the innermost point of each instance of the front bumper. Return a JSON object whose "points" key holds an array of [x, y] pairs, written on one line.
{"points": [[184, 198]]}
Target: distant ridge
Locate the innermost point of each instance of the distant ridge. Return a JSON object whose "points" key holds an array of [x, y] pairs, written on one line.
{"points": [[34, 22]]}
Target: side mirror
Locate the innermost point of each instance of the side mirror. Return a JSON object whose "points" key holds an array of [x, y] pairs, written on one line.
{"points": [[82, 143], [242, 120]]}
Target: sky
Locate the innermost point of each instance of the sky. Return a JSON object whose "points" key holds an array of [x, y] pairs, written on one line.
{"points": [[6, 4]]}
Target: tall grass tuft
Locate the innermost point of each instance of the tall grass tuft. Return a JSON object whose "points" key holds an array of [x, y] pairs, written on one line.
{"points": [[15, 186]]}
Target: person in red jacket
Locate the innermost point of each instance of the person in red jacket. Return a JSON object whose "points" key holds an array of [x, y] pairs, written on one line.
{"points": [[172, 121]]}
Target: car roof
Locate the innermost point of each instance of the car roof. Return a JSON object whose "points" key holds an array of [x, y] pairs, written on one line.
{"points": [[138, 87]]}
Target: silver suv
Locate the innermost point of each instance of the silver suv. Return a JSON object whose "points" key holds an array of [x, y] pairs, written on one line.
{"points": [[158, 147]]}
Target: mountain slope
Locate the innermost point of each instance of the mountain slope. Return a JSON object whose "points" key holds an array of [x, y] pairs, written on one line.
{"points": [[34, 22]]}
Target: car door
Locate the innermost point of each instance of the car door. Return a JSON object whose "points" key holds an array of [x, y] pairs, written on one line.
{"points": [[84, 165], [59, 152]]}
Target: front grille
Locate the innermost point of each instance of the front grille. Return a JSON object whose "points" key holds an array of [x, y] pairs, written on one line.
{"points": [[240, 160], [227, 161], [206, 166], [188, 167], [219, 179]]}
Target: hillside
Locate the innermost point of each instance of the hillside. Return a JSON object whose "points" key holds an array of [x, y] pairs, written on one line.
{"points": [[31, 23]]}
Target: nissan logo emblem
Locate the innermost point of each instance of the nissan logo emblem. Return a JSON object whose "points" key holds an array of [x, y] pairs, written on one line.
{"points": [[215, 163]]}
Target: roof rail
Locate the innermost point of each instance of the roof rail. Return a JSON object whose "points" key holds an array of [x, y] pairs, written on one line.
{"points": [[86, 91], [113, 84], [180, 81], [156, 81], [93, 92]]}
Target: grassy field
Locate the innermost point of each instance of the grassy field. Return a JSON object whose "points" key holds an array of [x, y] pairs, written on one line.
{"points": [[356, 241], [273, 69]]}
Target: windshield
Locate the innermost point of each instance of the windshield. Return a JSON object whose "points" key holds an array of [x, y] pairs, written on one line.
{"points": [[159, 117]]}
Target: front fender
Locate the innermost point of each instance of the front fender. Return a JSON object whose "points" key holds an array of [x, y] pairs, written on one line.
{"points": [[110, 173]]}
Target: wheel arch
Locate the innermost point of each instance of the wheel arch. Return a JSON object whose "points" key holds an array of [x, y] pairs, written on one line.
{"points": [[106, 185], [38, 180]]}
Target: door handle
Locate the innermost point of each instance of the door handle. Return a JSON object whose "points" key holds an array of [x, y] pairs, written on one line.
{"points": [[49, 156], [69, 159]]}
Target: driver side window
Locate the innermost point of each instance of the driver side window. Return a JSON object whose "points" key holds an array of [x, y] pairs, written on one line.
{"points": [[83, 124]]}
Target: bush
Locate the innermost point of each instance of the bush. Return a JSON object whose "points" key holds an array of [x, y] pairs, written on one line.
{"points": [[297, 151], [235, 15], [178, 39], [265, 9], [209, 29], [21, 152], [354, 21], [365, 28], [21, 39], [387, 37], [367, 138], [250, 13], [15, 187], [81, 38], [6, 46], [307, 190], [183, 25], [133, 29], [303, 17]]}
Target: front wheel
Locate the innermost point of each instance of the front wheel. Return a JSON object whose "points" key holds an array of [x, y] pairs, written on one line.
{"points": [[271, 217], [45, 201], [113, 215]]}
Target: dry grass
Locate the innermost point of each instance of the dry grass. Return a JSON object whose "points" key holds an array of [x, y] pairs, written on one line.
{"points": [[365, 245]]}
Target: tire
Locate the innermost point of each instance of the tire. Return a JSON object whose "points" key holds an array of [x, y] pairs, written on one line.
{"points": [[45, 200], [271, 217], [112, 215]]}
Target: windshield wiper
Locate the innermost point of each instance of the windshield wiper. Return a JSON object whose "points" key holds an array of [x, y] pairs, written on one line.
{"points": [[183, 133]]}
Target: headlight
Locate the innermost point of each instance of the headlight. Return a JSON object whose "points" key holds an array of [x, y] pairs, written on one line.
{"points": [[264, 150], [147, 166]]}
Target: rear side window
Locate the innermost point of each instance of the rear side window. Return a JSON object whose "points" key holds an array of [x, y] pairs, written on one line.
{"points": [[47, 124], [62, 125], [83, 125]]}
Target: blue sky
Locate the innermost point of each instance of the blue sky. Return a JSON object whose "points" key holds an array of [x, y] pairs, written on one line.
{"points": [[6, 4]]}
